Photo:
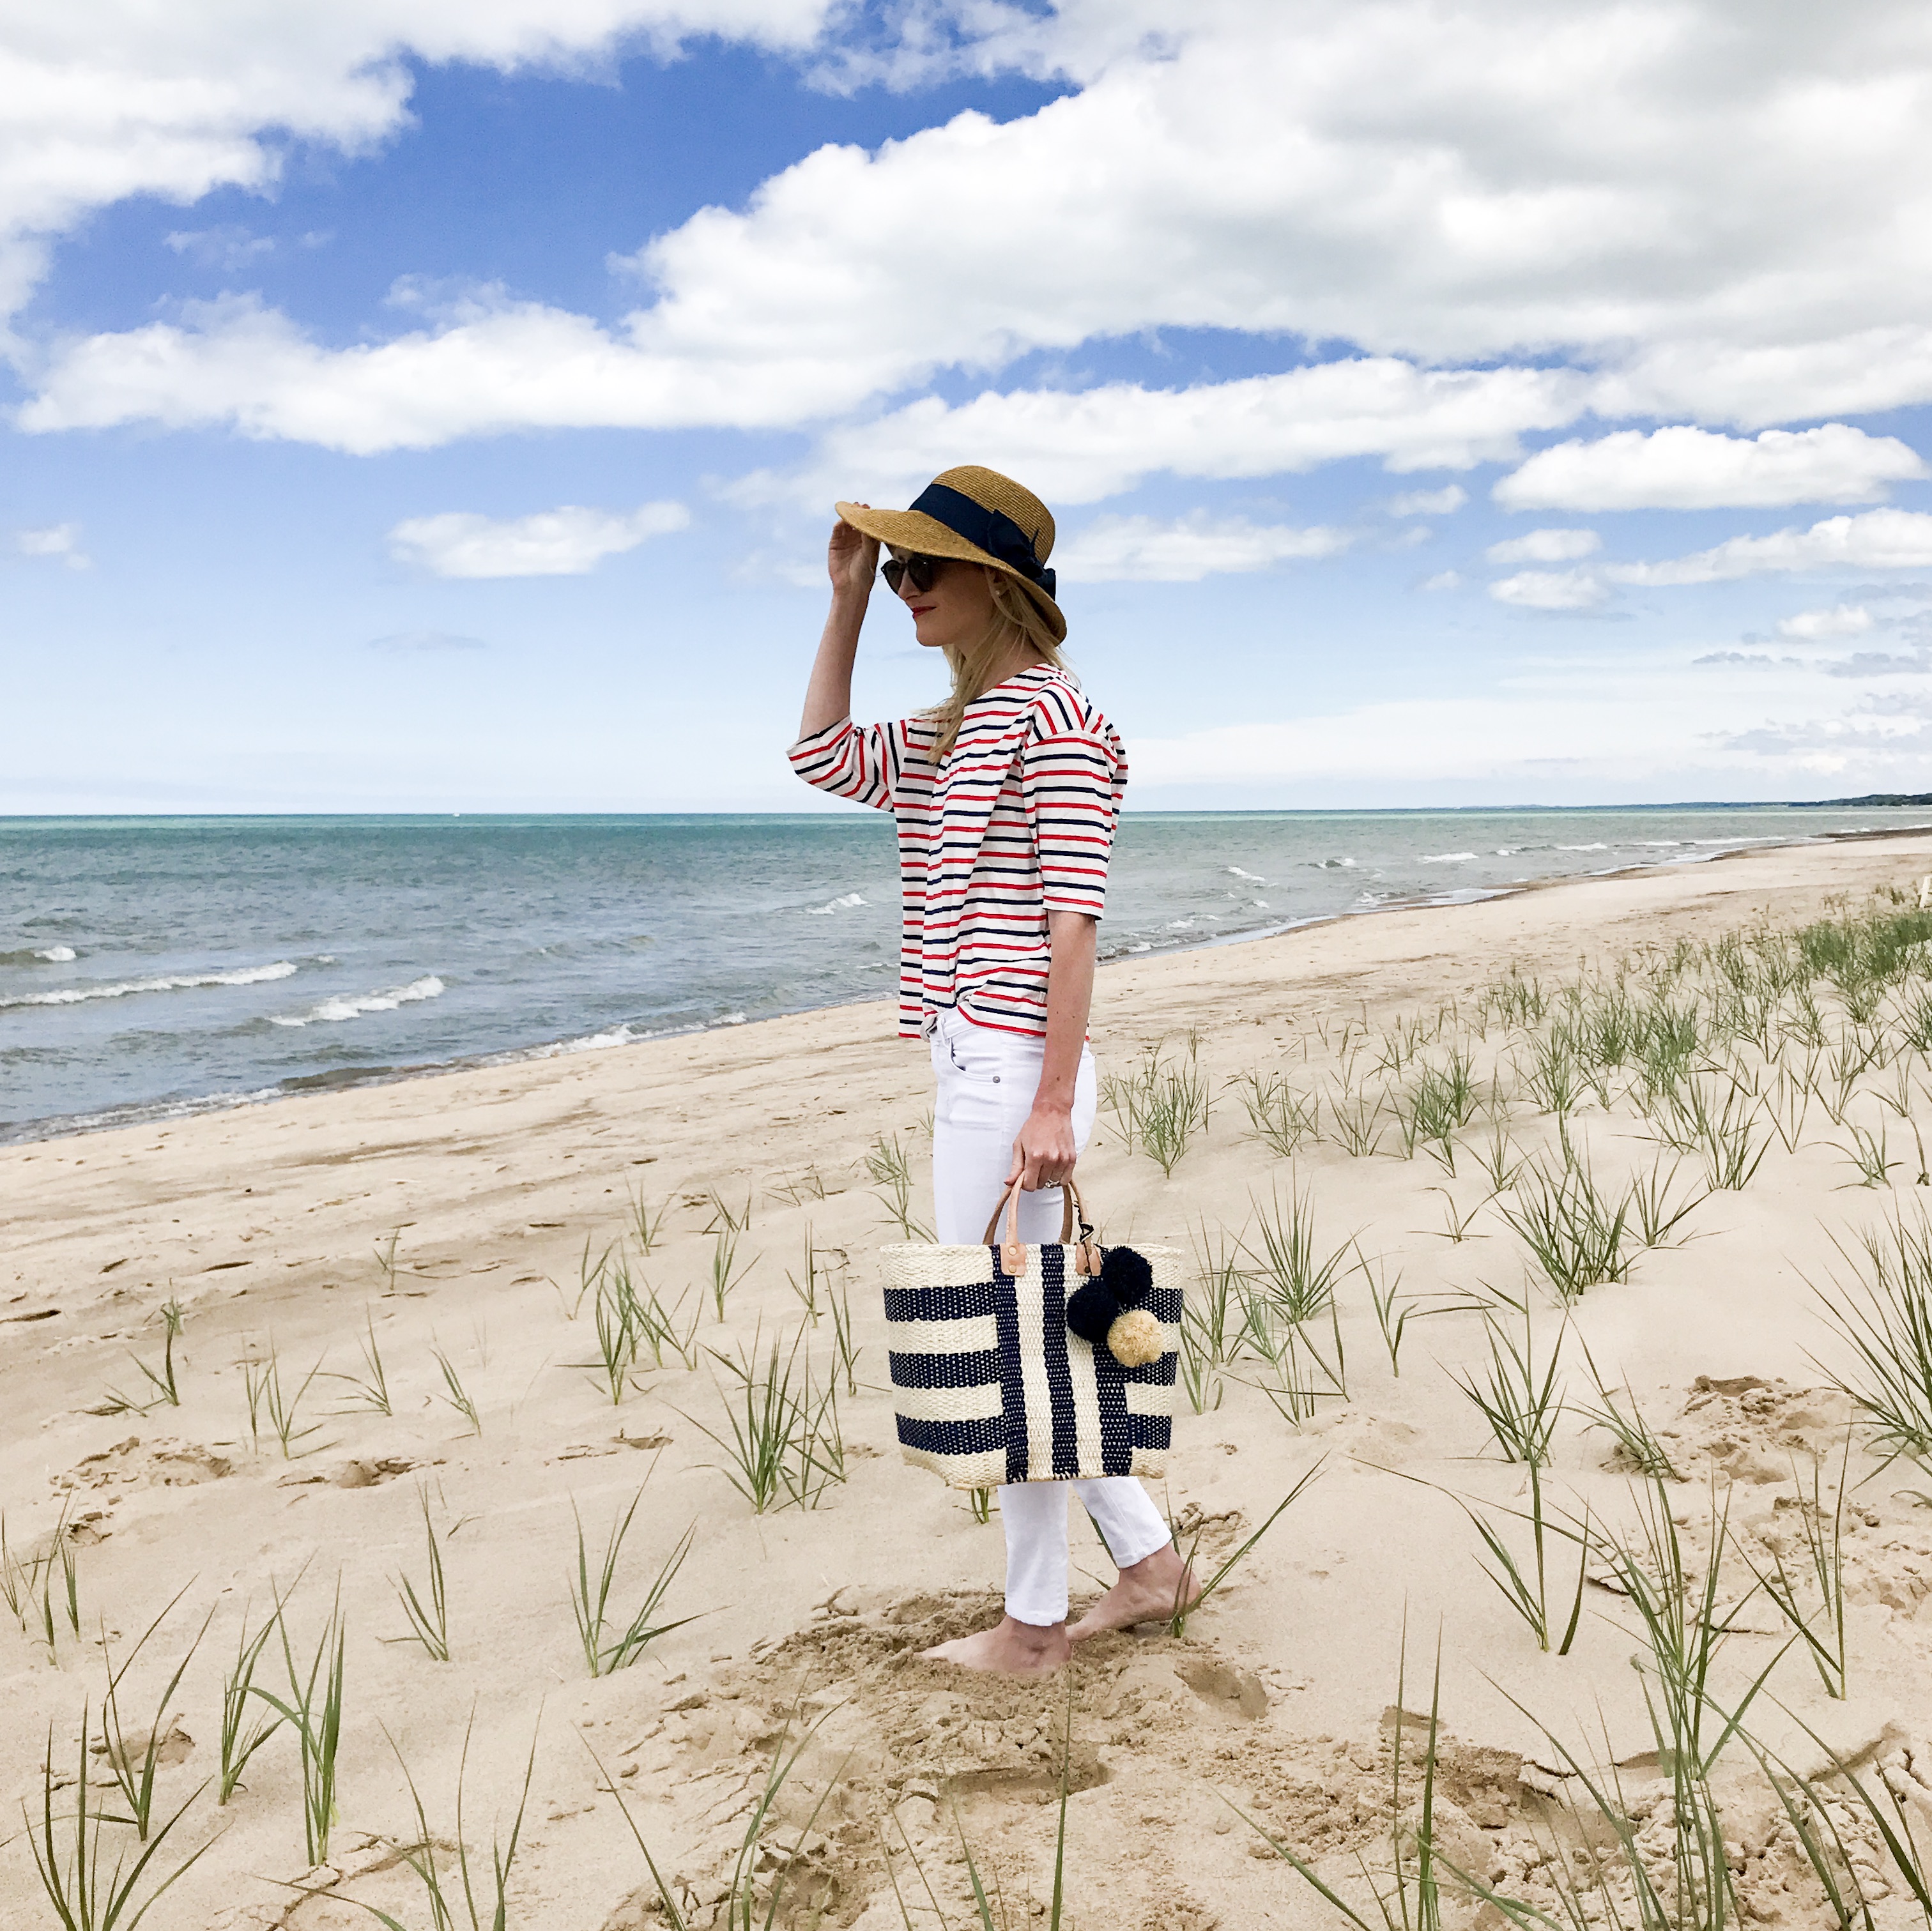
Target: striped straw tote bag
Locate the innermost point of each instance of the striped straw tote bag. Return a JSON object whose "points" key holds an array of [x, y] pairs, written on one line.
{"points": [[994, 1380]]}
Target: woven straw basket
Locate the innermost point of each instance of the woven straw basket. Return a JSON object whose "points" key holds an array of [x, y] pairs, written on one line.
{"points": [[991, 1384]]}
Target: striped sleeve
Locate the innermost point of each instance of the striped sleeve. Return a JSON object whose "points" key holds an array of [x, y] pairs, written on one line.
{"points": [[1072, 771], [860, 762]]}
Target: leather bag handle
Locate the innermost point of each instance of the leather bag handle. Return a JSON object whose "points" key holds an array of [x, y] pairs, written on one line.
{"points": [[1072, 1216]]}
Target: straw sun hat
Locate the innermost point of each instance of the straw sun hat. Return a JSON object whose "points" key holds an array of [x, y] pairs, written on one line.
{"points": [[976, 516]]}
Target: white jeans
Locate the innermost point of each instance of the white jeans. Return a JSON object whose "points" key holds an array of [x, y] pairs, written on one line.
{"points": [[987, 1080]]}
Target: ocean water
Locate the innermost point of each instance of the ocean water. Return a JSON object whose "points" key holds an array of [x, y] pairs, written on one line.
{"points": [[150, 967]]}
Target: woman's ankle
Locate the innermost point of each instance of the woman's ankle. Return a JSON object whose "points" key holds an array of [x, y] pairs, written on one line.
{"points": [[1036, 1636]]}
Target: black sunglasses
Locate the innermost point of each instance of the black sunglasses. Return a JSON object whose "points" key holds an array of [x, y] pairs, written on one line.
{"points": [[922, 571]]}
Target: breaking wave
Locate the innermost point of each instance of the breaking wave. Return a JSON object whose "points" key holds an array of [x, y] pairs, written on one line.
{"points": [[76, 995], [334, 1012]]}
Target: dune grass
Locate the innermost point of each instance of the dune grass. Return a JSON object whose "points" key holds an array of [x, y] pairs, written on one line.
{"points": [[1279, 1117], [270, 1399], [1525, 1586], [1160, 1104], [1298, 1281], [1611, 1861], [19, 1578], [1722, 1131], [1635, 1441], [647, 1225], [84, 1891], [806, 1282], [1394, 1310], [1578, 1236], [27, 1585], [1358, 1123], [454, 1393], [889, 1166], [781, 1440], [1210, 1319], [727, 1272], [844, 1335], [164, 1390], [1177, 1619], [616, 1338], [133, 1761], [484, 1900], [740, 1908], [369, 1391], [428, 1619], [1868, 1154], [244, 1728], [1438, 1107], [313, 1709], [590, 1596], [724, 1217], [1406, 1895], [1519, 1397], [1821, 1629], [1883, 1315], [589, 1277]]}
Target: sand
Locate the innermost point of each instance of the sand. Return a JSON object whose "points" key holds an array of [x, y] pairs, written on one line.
{"points": [[272, 1227]]}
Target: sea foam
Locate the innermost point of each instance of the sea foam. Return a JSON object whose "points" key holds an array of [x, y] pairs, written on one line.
{"points": [[76, 995], [334, 1012], [845, 904]]}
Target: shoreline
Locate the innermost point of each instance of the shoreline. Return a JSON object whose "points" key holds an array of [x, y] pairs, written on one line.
{"points": [[309, 1087]]}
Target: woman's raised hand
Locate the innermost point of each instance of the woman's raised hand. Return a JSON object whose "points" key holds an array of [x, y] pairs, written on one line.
{"points": [[851, 558]]}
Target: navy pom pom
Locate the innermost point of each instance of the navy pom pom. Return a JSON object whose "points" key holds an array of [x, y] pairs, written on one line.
{"points": [[1126, 1276], [1090, 1312]]}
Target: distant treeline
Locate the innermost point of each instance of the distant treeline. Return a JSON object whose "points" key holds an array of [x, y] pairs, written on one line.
{"points": [[1870, 798]]}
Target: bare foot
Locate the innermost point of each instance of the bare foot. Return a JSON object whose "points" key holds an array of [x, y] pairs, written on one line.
{"points": [[1010, 1648], [1149, 1590]]}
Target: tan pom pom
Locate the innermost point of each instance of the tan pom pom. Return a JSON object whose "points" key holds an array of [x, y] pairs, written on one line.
{"points": [[1134, 1339]]}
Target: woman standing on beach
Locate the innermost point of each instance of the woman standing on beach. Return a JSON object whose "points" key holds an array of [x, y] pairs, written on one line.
{"points": [[1006, 795]]}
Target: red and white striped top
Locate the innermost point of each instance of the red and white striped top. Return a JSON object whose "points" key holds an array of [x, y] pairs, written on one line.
{"points": [[1018, 822]]}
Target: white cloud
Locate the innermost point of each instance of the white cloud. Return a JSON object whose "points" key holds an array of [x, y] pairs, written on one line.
{"points": [[1550, 590], [1841, 620], [228, 248], [1888, 539], [1441, 182], [497, 365], [1546, 546], [58, 542], [122, 98], [566, 542], [1867, 664], [1731, 240], [1079, 447], [423, 642], [1140, 549], [1612, 726], [1429, 502], [1443, 579], [1605, 724], [1685, 468]]}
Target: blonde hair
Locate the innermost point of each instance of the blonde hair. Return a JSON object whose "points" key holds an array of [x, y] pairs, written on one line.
{"points": [[1013, 611]]}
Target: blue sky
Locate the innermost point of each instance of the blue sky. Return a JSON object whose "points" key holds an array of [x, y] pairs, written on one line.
{"points": [[439, 406]]}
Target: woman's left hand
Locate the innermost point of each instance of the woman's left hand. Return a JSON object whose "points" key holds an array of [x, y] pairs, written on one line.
{"points": [[1045, 1153]]}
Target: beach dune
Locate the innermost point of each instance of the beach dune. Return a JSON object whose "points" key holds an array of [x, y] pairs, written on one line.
{"points": [[388, 1303]]}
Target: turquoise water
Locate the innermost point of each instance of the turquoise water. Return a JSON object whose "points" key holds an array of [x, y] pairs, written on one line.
{"points": [[158, 966]]}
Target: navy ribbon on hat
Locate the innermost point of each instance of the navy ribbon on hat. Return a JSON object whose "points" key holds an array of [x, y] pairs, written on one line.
{"points": [[993, 530]]}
